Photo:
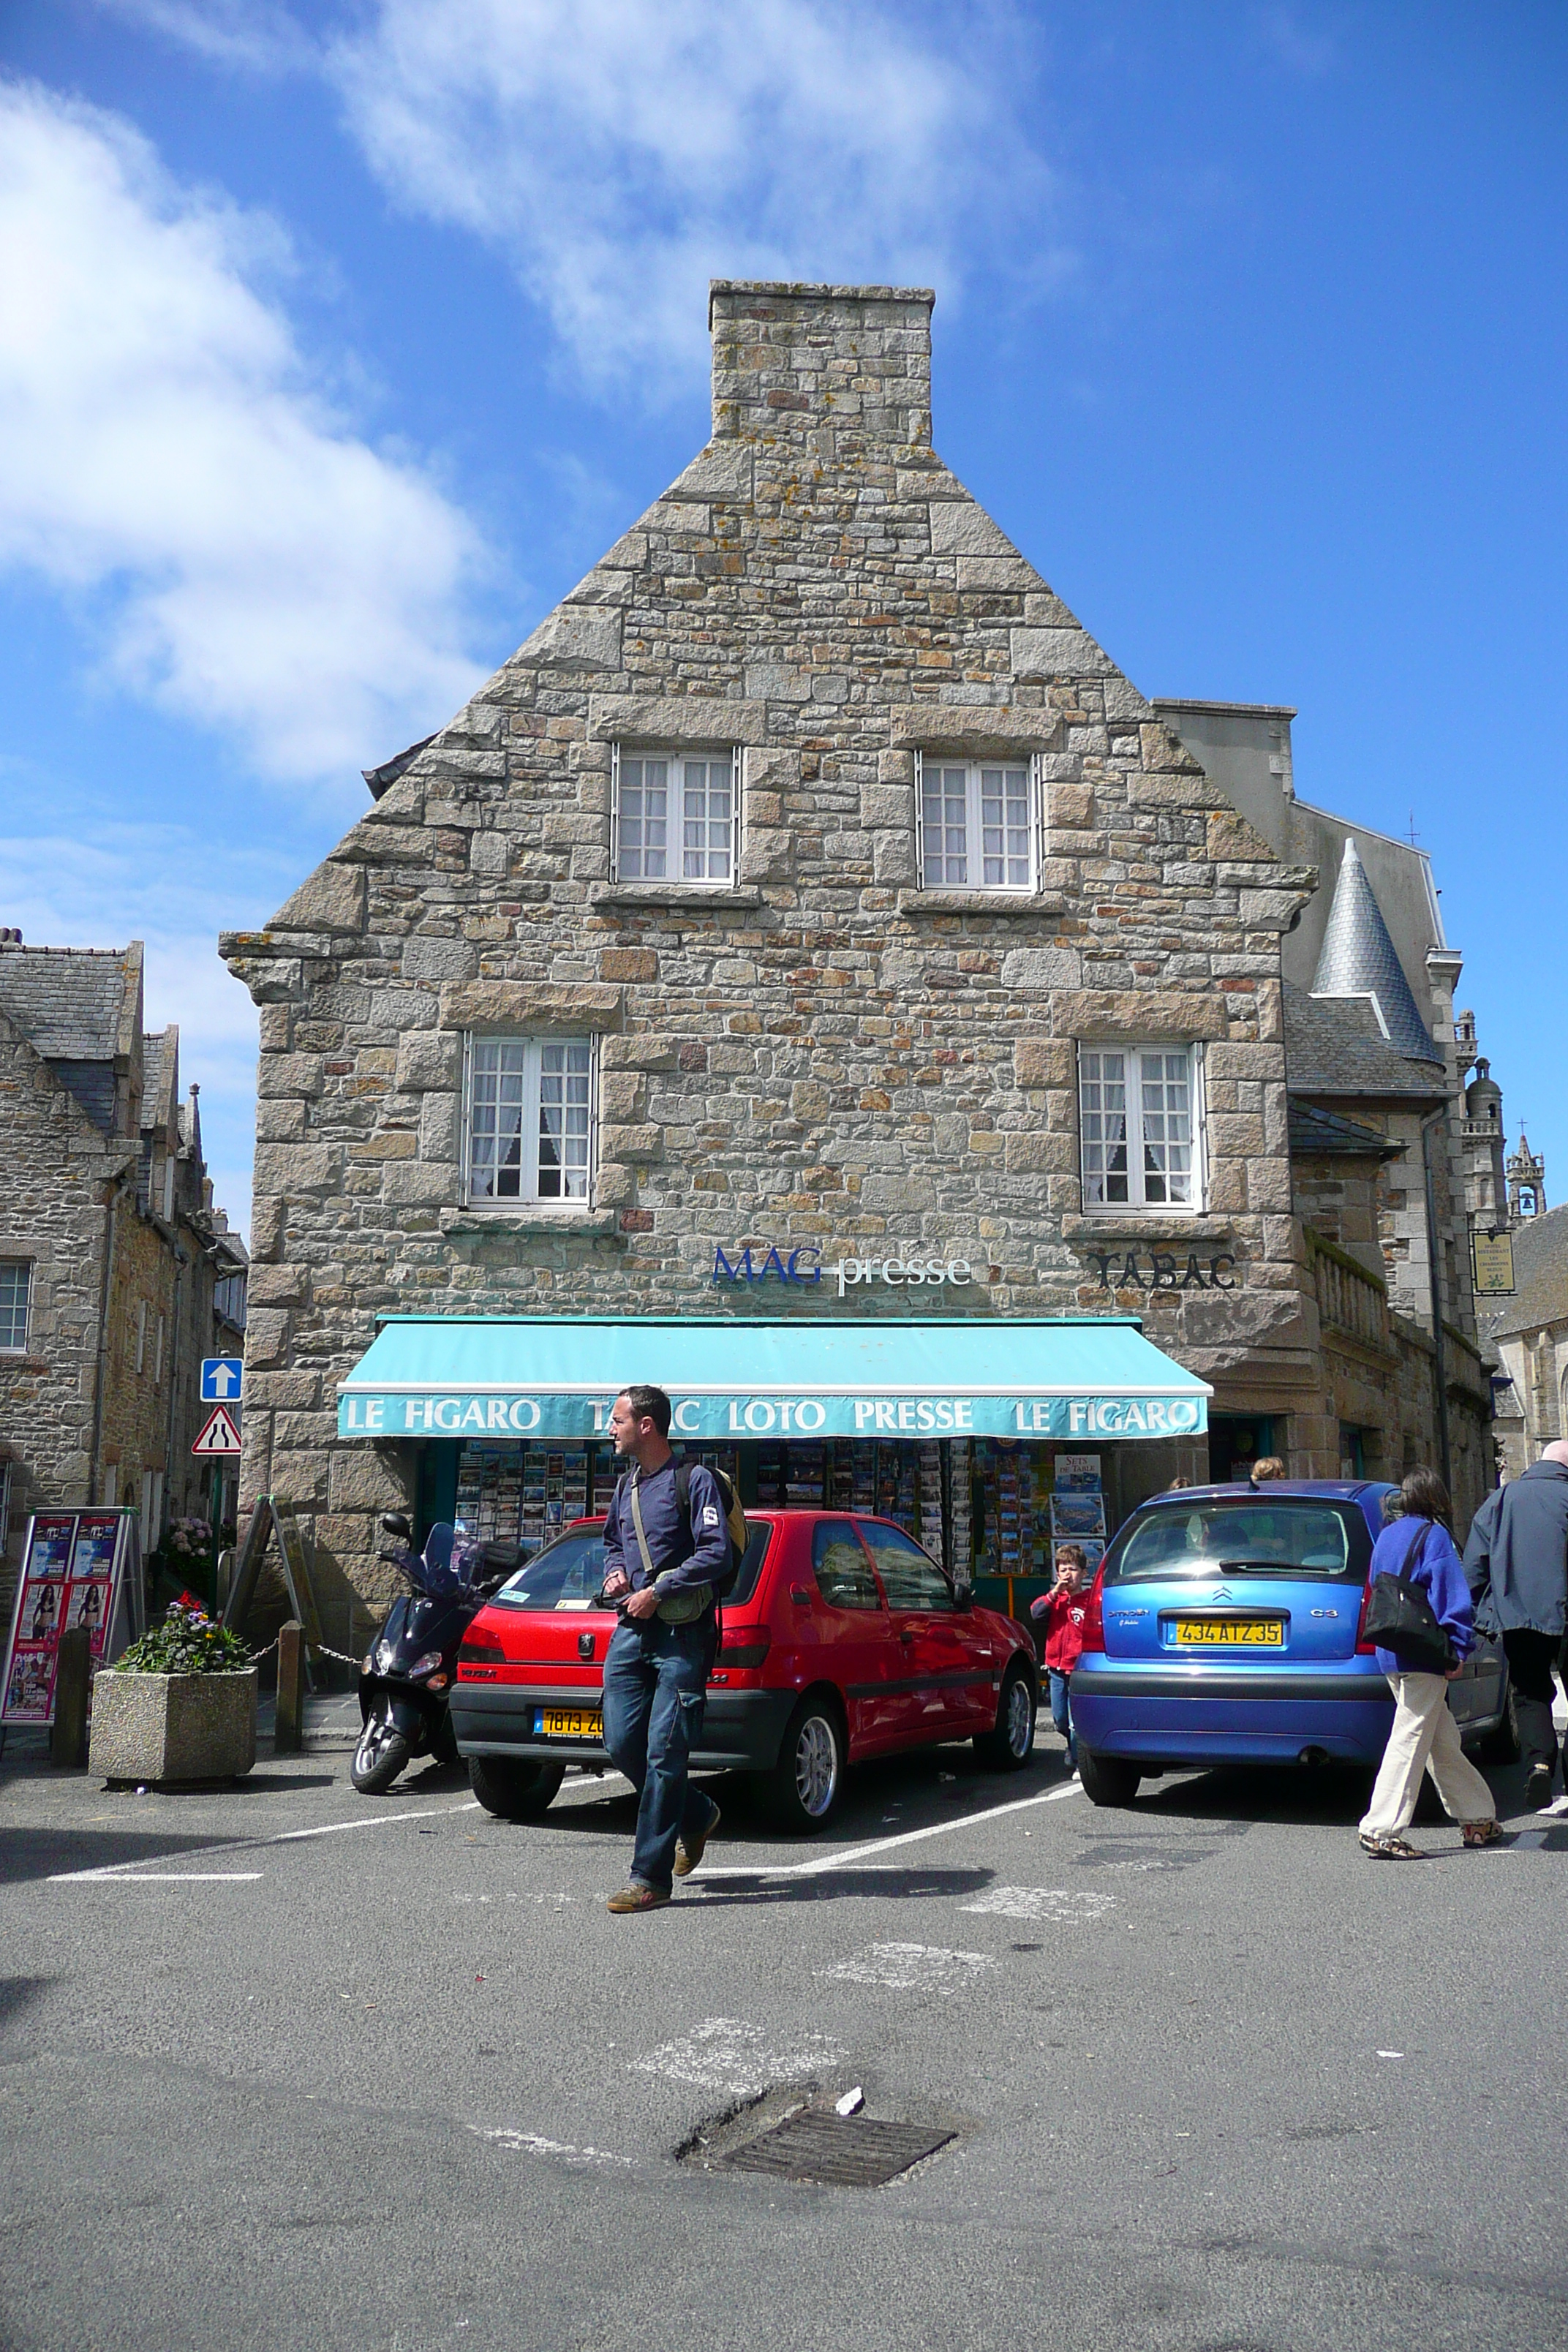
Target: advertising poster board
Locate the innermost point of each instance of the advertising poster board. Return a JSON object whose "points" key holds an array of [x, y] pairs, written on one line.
{"points": [[79, 1568], [1075, 1516]]}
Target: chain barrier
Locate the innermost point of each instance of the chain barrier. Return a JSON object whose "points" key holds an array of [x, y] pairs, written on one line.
{"points": [[317, 1650], [321, 1650]]}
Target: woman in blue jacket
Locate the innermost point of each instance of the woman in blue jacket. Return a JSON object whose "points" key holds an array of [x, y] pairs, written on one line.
{"points": [[1425, 1736]]}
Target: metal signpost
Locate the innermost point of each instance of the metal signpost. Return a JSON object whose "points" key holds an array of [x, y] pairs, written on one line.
{"points": [[222, 1386]]}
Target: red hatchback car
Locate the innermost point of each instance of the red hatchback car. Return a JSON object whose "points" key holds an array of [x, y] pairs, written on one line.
{"points": [[843, 1640]]}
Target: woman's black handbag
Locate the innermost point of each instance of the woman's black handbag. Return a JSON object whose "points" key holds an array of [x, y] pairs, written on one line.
{"points": [[1400, 1617]]}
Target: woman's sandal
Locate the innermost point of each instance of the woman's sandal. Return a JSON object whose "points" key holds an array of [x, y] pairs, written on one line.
{"points": [[1480, 1833], [1390, 1849]]}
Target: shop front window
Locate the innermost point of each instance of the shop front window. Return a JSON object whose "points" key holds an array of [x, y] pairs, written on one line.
{"points": [[530, 1119], [1137, 1122]]}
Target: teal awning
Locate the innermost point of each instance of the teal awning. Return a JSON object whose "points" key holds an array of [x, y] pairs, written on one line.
{"points": [[557, 1377]]}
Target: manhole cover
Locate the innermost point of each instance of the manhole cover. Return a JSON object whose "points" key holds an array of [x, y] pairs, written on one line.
{"points": [[844, 2151]]}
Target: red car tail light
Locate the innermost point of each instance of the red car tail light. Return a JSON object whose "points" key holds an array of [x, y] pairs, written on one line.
{"points": [[1094, 1615], [472, 1653], [1363, 1648], [750, 1651]]}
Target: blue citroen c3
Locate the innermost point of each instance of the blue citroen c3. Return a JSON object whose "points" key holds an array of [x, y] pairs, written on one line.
{"points": [[1225, 1626]]}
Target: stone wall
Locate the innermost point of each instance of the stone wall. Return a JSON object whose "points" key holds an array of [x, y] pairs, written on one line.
{"points": [[55, 1171], [826, 1050]]}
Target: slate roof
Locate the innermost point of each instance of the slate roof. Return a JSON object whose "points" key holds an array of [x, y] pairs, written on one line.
{"points": [[1322, 1134], [66, 1002], [381, 779], [1540, 1274], [1359, 959], [1334, 1046]]}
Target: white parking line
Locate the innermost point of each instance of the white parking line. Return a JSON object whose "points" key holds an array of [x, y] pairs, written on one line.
{"points": [[836, 1859], [108, 1873]]}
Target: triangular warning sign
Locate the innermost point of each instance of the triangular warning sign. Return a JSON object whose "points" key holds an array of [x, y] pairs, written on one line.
{"points": [[221, 1434]]}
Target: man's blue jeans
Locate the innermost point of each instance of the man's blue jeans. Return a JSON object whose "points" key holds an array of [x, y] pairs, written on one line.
{"points": [[1061, 1716], [656, 1683]]}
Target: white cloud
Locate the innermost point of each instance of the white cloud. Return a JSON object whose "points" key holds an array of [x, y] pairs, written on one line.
{"points": [[622, 151], [258, 33], [242, 557]]}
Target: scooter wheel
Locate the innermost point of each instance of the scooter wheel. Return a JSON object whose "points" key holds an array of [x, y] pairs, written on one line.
{"points": [[380, 1757]]}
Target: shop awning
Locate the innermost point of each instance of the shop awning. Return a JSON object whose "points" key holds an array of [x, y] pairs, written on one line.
{"points": [[557, 1378]]}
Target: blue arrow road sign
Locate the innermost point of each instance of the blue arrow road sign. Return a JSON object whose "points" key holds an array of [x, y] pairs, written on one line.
{"points": [[223, 1377]]}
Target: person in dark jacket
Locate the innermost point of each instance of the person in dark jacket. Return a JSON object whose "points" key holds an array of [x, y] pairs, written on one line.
{"points": [[660, 1567], [1424, 1737], [1517, 1561]]}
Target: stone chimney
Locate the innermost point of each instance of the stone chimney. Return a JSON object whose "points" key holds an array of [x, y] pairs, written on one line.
{"points": [[842, 371]]}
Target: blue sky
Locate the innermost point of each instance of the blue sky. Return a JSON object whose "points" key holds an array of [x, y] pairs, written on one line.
{"points": [[336, 343]]}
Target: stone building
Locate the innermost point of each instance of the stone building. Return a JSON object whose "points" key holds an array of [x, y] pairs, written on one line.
{"points": [[1389, 1152], [1526, 1333], [812, 931], [110, 1250]]}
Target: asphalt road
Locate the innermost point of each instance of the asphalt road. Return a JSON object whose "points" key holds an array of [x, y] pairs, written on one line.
{"points": [[317, 2070]]}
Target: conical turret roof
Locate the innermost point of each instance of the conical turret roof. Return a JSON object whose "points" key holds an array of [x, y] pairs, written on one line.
{"points": [[1359, 959]]}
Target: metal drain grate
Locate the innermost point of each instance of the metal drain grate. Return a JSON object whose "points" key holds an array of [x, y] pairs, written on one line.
{"points": [[844, 2151]]}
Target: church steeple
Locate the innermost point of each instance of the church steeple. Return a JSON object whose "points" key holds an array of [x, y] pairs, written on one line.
{"points": [[1526, 1181]]}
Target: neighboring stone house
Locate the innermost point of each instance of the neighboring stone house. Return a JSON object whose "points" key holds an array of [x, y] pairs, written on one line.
{"points": [[1373, 1049], [1526, 1334], [809, 884], [110, 1246]]}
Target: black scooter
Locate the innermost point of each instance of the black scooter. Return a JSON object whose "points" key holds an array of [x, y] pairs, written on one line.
{"points": [[406, 1673]]}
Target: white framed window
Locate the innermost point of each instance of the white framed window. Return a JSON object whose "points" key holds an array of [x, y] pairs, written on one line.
{"points": [[16, 1289], [140, 1335], [1140, 1126], [979, 823], [675, 815], [528, 1120]]}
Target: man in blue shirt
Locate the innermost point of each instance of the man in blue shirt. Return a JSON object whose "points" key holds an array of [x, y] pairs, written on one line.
{"points": [[660, 1567]]}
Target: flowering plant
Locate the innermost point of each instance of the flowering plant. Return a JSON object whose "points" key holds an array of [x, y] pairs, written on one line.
{"points": [[187, 1539], [186, 1642]]}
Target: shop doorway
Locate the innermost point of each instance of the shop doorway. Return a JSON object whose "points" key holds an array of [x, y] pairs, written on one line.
{"points": [[1236, 1442]]}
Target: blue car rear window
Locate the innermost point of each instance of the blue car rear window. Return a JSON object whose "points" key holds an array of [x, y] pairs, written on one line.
{"points": [[1280, 1537]]}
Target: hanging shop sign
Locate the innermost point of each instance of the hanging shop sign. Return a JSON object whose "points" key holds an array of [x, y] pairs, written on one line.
{"points": [[803, 1267]]}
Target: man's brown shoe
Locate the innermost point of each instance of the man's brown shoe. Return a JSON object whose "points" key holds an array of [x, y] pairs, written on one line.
{"points": [[638, 1897], [688, 1852]]}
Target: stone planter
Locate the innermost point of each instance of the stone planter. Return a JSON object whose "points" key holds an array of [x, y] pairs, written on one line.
{"points": [[170, 1728]]}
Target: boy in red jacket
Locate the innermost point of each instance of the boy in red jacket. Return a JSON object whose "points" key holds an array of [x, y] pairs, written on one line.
{"points": [[1062, 1611]]}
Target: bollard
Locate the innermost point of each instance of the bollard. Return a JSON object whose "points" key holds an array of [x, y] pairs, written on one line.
{"points": [[288, 1730], [67, 1734]]}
